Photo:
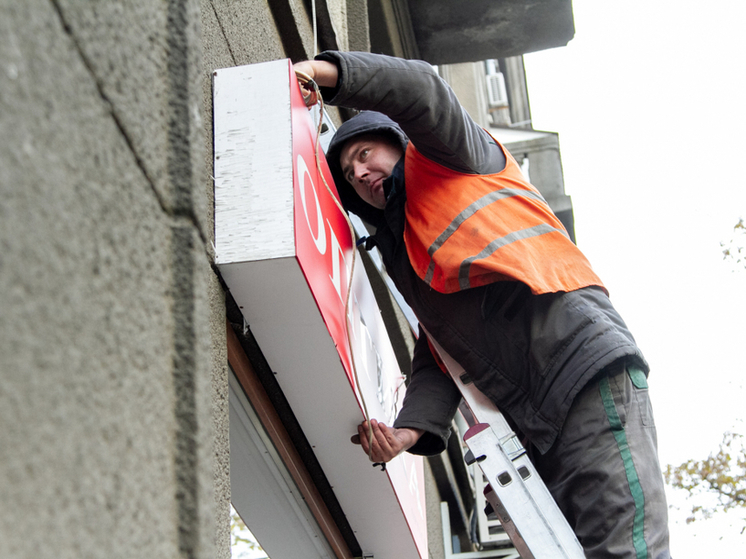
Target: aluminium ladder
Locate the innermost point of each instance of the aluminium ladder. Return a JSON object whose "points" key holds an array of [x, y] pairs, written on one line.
{"points": [[517, 494], [523, 504]]}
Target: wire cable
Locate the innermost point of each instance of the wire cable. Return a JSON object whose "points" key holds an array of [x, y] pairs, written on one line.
{"points": [[313, 97], [315, 29]]}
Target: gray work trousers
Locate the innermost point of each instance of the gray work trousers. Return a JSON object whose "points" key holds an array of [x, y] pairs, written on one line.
{"points": [[603, 470]]}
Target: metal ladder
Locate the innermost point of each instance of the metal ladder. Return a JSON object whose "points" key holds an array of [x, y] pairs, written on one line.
{"points": [[517, 494], [526, 509]]}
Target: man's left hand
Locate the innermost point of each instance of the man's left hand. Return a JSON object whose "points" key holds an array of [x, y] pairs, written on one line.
{"points": [[388, 442]]}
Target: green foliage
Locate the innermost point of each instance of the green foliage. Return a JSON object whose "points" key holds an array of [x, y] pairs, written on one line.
{"points": [[735, 249], [241, 537], [722, 474]]}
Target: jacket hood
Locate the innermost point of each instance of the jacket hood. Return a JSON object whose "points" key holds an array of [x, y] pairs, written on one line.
{"points": [[366, 122]]}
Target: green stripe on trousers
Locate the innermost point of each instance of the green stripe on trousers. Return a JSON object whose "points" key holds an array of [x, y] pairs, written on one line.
{"points": [[617, 429]]}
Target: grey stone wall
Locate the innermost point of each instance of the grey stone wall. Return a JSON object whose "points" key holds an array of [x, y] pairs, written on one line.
{"points": [[235, 33], [109, 307], [232, 33], [113, 367]]}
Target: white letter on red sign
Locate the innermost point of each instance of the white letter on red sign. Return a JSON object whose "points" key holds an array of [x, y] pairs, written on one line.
{"points": [[337, 255], [302, 170]]}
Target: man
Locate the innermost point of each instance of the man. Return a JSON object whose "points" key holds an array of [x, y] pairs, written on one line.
{"points": [[493, 277]]}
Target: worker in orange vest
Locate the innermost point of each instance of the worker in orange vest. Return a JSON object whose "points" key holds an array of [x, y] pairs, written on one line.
{"points": [[493, 277]]}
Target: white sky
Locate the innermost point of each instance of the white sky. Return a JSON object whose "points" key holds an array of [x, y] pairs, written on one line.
{"points": [[650, 104]]}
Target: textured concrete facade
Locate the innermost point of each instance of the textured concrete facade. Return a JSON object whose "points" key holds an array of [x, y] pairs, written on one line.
{"points": [[113, 365], [105, 283]]}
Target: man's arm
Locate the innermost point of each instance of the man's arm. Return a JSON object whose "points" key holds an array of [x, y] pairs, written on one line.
{"points": [[424, 422], [411, 93], [325, 74], [430, 402]]}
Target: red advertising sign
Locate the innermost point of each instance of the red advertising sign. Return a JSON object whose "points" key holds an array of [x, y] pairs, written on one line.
{"points": [[285, 251], [322, 236], [325, 251]]}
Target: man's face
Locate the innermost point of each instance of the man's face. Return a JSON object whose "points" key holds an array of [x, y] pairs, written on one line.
{"points": [[366, 162]]}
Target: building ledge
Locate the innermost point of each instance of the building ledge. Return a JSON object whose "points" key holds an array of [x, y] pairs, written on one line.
{"points": [[446, 32]]}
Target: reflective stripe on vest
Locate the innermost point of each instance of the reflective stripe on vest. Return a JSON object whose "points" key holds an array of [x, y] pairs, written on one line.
{"points": [[466, 230]]}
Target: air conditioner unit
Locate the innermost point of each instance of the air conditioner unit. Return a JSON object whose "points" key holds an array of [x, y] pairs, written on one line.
{"points": [[496, 91]]}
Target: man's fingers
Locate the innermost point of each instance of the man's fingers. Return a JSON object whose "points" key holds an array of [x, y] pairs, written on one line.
{"points": [[371, 444], [382, 436], [305, 67], [386, 445], [387, 442], [363, 436], [389, 435], [393, 440], [382, 446]]}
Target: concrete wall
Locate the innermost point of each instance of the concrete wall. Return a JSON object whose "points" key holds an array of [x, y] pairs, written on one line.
{"points": [[109, 305], [232, 33], [113, 366], [467, 81], [235, 33]]}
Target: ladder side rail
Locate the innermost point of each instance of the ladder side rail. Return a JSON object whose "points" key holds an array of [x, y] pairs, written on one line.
{"points": [[525, 507], [535, 523]]}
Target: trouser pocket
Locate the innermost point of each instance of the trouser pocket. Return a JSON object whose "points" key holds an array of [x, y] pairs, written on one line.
{"points": [[641, 397]]}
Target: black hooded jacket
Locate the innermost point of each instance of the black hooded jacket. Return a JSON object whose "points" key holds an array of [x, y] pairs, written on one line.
{"points": [[530, 354]]}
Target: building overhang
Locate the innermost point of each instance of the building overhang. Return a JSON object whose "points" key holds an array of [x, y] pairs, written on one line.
{"points": [[447, 32]]}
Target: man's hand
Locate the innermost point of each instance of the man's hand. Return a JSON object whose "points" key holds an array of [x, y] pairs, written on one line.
{"points": [[388, 442], [324, 73]]}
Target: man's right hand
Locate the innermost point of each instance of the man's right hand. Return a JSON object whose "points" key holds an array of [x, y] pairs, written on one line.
{"points": [[324, 73], [388, 442]]}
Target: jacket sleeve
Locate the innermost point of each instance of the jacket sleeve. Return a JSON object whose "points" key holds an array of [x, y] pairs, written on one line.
{"points": [[412, 94], [430, 402]]}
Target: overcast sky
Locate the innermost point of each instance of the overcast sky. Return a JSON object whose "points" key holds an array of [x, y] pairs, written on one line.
{"points": [[649, 103]]}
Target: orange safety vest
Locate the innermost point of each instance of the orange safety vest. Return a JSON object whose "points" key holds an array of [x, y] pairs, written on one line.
{"points": [[466, 230]]}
